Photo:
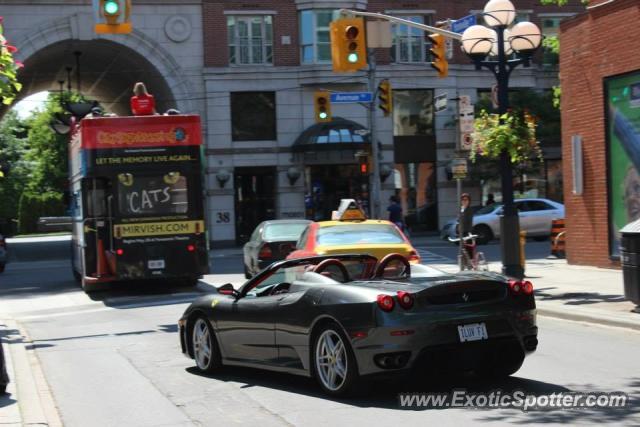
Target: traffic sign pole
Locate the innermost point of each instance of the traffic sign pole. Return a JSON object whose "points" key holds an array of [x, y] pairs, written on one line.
{"points": [[375, 195]]}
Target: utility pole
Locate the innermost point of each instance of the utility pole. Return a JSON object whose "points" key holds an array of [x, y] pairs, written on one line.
{"points": [[459, 182], [375, 195]]}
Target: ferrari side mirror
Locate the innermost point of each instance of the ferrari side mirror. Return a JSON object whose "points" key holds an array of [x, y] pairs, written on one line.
{"points": [[228, 289]]}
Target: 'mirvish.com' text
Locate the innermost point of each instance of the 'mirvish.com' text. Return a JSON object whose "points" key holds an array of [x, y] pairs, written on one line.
{"points": [[516, 399]]}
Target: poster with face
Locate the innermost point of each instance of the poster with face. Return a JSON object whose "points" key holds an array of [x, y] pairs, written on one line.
{"points": [[623, 136]]}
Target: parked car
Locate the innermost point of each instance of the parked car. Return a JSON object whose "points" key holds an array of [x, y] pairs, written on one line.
{"points": [[337, 318], [535, 218], [271, 241], [3, 253]]}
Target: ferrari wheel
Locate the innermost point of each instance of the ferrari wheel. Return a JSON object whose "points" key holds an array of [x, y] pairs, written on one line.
{"points": [[333, 361], [205, 347]]}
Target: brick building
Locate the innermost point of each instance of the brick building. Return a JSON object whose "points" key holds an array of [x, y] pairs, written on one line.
{"points": [[600, 80], [268, 159]]}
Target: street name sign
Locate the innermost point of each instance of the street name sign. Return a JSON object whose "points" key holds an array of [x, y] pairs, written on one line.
{"points": [[459, 25], [351, 97]]}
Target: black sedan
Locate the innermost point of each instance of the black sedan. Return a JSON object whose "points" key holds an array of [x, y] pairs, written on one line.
{"points": [[341, 317], [271, 241]]}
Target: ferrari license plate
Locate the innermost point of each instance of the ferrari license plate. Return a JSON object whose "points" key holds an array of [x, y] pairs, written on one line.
{"points": [[156, 264], [473, 332]]}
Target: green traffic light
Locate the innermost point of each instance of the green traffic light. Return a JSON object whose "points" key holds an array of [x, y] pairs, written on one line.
{"points": [[352, 57], [322, 115], [111, 7]]}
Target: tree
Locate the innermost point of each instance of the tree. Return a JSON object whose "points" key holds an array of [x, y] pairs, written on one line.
{"points": [[13, 143], [47, 151]]}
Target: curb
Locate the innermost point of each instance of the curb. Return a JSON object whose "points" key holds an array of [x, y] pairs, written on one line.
{"points": [[565, 314], [34, 399]]}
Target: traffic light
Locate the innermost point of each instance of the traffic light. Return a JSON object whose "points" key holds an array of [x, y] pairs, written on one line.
{"points": [[385, 97], [322, 106], [363, 162], [112, 16], [348, 45], [439, 55]]}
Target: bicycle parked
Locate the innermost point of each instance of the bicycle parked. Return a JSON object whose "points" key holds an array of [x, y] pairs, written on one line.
{"points": [[469, 257]]}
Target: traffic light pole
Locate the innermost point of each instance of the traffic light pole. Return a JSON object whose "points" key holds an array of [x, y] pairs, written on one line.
{"points": [[406, 22], [375, 195]]}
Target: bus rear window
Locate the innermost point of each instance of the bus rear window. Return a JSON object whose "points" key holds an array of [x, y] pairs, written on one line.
{"points": [[152, 195]]}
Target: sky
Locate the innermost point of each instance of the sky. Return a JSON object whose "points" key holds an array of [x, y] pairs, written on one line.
{"points": [[31, 103]]}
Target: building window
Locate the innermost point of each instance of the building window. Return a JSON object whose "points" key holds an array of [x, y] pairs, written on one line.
{"points": [[315, 41], [253, 116], [550, 28], [250, 40], [409, 42]]}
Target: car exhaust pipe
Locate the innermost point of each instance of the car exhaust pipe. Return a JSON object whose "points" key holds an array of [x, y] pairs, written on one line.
{"points": [[386, 362], [399, 361], [530, 343]]}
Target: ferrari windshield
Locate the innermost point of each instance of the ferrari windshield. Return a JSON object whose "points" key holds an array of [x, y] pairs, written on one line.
{"points": [[351, 234]]}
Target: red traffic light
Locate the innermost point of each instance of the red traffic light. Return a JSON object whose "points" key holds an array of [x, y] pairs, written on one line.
{"points": [[363, 168], [351, 32]]}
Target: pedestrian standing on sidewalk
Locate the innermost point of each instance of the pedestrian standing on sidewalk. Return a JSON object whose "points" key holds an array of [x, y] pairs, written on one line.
{"points": [[4, 377], [395, 212]]}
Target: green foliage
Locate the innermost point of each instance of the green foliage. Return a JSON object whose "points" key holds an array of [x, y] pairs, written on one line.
{"points": [[513, 132], [33, 206], [540, 105], [9, 84], [47, 150], [12, 150]]}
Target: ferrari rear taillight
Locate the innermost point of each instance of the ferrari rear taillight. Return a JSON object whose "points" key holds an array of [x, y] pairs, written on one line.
{"points": [[527, 287], [518, 287], [405, 299], [413, 256], [265, 252], [386, 302]]}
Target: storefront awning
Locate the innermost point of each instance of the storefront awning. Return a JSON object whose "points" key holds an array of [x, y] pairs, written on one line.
{"points": [[339, 134]]}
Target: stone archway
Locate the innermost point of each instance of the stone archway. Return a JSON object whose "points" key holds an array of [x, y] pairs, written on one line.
{"points": [[109, 64]]}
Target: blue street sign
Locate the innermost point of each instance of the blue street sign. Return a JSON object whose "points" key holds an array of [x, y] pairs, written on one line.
{"points": [[459, 25], [351, 97]]}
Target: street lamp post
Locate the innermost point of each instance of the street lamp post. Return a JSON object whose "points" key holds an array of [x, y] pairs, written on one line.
{"points": [[498, 42]]}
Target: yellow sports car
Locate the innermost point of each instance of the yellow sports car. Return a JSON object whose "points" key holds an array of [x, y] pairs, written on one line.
{"points": [[352, 232]]}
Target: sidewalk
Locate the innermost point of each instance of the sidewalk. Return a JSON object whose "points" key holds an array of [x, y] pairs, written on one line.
{"points": [[581, 293], [28, 400]]}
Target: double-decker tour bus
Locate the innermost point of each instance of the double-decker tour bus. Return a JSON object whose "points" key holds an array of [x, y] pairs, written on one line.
{"points": [[137, 200]]}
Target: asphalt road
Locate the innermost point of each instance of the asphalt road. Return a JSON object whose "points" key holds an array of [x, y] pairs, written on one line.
{"points": [[114, 359]]}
